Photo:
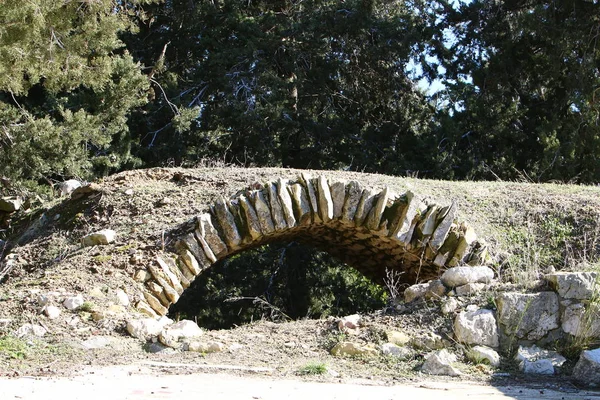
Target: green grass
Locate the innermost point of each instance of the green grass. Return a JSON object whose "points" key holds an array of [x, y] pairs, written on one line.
{"points": [[313, 368], [13, 347]]}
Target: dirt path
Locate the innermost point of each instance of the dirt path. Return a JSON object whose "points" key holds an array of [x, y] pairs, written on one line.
{"points": [[142, 382]]}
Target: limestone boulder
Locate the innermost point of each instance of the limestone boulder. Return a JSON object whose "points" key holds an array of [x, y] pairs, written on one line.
{"points": [[580, 320], [398, 338], [476, 327], [147, 328], [51, 311], [534, 360], [574, 285], [103, 237], [393, 350], [440, 363], [67, 187], [469, 289], [428, 341], [429, 291], [528, 316], [479, 354], [177, 334], [459, 276], [349, 323], [353, 349], [587, 369]]}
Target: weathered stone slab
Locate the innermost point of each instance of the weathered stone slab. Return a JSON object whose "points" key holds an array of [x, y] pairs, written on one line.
{"points": [[426, 225], [286, 202], [159, 276], [154, 303], [301, 204], [528, 316], [184, 269], [250, 217], [467, 238], [263, 212], [226, 221], [325, 201], [574, 285], [313, 197], [374, 217], [353, 195], [446, 252], [157, 291], [192, 254], [209, 238], [144, 308], [364, 206], [338, 196], [171, 277], [476, 327], [172, 266], [275, 206], [443, 227], [403, 225], [432, 290]]}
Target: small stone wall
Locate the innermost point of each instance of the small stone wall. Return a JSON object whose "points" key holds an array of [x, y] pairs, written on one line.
{"points": [[372, 231]]}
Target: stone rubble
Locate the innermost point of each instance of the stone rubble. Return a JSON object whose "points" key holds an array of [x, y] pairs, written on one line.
{"points": [[440, 363], [534, 360]]}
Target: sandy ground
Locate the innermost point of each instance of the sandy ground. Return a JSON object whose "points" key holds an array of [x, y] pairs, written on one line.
{"points": [[142, 382]]}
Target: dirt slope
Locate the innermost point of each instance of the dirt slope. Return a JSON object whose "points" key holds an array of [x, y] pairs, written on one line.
{"points": [[530, 228]]}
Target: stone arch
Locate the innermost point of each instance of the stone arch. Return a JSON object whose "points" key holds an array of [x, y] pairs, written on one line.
{"points": [[372, 231]]}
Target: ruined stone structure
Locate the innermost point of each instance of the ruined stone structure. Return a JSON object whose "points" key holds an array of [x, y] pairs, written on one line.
{"points": [[372, 231]]}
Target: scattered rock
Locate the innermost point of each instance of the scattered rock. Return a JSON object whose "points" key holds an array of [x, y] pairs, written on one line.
{"points": [[146, 328], [398, 338], [210, 347], [159, 348], [183, 331], [440, 363], [66, 187], [350, 322], [428, 341], [122, 297], [353, 349], [104, 236], [52, 312], [142, 275], [533, 360], [432, 290], [469, 289], [485, 354], [528, 316], [587, 369], [450, 305], [574, 285], [30, 330], [459, 276], [10, 204], [73, 303], [391, 349], [476, 327]]}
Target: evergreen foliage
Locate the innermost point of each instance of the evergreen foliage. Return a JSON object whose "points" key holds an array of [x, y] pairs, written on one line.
{"points": [[67, 86]]}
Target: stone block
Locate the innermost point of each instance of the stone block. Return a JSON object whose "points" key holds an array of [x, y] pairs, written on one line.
{"points": [[476, 327], [574, 285], [528, 316]]}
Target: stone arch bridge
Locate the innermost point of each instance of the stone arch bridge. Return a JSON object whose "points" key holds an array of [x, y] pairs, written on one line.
{"points": [[373, 231]]}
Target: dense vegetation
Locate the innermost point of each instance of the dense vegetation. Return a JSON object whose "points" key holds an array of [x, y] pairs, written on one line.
{"points": [[476, 89], [88, 88]]}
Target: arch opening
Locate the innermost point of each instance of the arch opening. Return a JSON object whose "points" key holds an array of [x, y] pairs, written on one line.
{"points": [[277, 282], [374, 231]]}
